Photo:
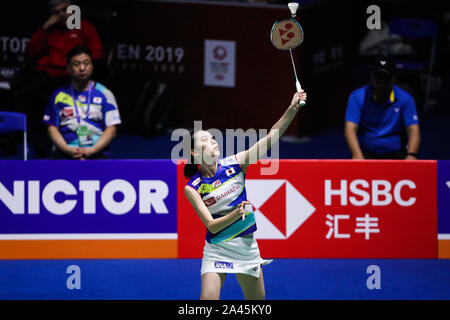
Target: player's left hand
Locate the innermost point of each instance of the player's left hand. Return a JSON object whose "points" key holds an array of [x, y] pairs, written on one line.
{"points": [[241, 207]]}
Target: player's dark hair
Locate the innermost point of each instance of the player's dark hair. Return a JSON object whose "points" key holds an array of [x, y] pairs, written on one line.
{"points": [[191, 168], [76, 50]]}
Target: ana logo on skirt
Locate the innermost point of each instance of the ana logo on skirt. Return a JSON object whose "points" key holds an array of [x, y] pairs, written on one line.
{"points": [[223, 265]]}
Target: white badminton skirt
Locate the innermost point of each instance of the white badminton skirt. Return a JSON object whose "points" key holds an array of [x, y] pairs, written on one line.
{"points": [[238, 255]]}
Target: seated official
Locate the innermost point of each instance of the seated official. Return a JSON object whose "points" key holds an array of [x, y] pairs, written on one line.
{"points": [[81, 116], [381, 120]]}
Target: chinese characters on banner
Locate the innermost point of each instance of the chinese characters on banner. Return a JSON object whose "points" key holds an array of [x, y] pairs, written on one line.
{"points": [[365, 225]]}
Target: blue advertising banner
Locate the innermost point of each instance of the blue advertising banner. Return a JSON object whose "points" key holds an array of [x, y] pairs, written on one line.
{"points": [[443, 189], [130, 198]]}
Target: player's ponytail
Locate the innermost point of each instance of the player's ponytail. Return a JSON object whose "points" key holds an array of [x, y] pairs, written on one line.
{"points": [[191, 167]]}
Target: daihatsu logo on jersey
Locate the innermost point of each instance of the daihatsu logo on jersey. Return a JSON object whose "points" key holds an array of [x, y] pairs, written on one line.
{"points": [[234, 188], [271, 198]]}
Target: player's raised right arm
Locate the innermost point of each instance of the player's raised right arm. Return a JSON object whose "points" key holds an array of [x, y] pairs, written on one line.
{"points": [[259, 149]]}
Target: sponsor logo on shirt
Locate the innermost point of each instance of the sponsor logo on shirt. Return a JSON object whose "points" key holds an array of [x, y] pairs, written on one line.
{"points": [[231, 190], [223, 265], [196, 181], [68, 112], [216, 183], [210, 201]]}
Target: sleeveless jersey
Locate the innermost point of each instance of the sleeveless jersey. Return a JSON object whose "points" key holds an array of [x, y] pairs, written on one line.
{"points": [[221, 194]]}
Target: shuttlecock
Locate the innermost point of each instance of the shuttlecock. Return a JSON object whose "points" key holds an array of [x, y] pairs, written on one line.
{"points": [[293, 6]]}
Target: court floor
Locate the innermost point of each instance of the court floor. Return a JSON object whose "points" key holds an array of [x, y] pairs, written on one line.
{"points": [[179, 279]]}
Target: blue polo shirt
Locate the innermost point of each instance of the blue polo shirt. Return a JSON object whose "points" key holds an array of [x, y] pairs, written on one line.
{"points": [[381, 127]]}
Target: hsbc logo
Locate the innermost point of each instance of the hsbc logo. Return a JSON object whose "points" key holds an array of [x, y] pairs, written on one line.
{"points": [[280, 209]]}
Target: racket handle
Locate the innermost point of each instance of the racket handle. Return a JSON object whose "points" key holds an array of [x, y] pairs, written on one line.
{"points": [[299, 88]]}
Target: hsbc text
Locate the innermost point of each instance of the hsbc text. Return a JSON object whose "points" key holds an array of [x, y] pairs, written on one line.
{"points": [[376, 192]]}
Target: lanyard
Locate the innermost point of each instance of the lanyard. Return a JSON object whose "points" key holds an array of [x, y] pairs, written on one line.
{"points": [[88, 102]]}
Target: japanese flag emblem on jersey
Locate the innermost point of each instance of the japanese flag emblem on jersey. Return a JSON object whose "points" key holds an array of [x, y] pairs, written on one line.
{"points": [[230, 171]]}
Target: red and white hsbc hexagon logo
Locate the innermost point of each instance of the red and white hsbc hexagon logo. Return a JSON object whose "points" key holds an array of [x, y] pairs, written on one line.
{"points": [[280, 209]]}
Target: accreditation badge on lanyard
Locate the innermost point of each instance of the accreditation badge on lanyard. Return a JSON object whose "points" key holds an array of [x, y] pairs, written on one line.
{"points": [[83, 132]]}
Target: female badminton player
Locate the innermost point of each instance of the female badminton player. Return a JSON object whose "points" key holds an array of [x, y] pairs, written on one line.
{"points": [[216, 190]]}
